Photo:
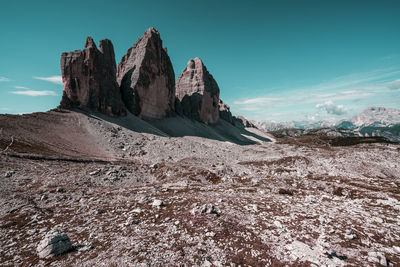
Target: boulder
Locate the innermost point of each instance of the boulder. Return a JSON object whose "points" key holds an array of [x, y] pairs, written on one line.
{"points": [[9, 174], [157, 203], [147, 79], [53, 244], [198, 92], [378, 258], [89, 79], [205, 209]]}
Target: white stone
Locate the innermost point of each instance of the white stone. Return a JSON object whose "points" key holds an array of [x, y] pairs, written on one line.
{"points": [[377, 257], [157, 203], [54, 243], [278, 224]]}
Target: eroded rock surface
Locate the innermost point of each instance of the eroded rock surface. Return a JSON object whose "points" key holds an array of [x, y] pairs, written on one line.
{"points": [[242, 122], [225, 112], [198, 92], [147, 79], [89, 78]]}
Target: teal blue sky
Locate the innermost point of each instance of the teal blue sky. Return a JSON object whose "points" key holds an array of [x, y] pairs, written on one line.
{"points": [[273, 60]]}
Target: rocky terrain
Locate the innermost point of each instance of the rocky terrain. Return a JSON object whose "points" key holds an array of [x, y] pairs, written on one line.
{"points": [[132, 198], [121, 174]]}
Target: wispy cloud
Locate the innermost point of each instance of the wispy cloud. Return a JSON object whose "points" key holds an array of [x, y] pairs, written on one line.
{"points": [[4, 79], [4, 109], [372, 86], [348, 87], [52, 79], [34, 93], [394, 85], [331, 108], [338, 96], [250, 108], [258, 100], [302, 97], [21, 87]]}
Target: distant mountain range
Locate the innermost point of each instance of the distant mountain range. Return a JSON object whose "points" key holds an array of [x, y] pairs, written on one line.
{"points": [[373, 116], [373, 121]]}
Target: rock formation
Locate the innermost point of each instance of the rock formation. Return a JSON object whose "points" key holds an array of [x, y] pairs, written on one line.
{"points": [[143, 82], [89, 79], [147, 79], [242, 122], [198, 92], [225, 112]]}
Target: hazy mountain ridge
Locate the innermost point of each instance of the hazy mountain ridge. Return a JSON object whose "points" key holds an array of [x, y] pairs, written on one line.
{"points": [[373, 121], [377, 116]]}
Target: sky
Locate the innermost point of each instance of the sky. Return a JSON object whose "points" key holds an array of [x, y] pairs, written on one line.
{"points": [[273, 60]]}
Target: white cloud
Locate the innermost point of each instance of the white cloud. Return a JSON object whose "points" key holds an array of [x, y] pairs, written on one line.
{"points": [[34, 93], [394, 85], [4, 109], [331, 108], [4, 79], [249, 108], [21, 87], [52, 79], [257, 100], [349, 92]]}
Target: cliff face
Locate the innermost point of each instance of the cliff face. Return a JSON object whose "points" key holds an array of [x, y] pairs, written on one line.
{"points": [[89, 78], [147, 79], [198, 92]]}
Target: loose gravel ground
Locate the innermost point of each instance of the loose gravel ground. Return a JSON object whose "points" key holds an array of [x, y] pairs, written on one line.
{"points": [[154, 200]]}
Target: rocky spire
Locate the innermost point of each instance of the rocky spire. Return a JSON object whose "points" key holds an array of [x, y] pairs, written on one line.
{"points": [[89, 79], [198, 92], [147, 79]]}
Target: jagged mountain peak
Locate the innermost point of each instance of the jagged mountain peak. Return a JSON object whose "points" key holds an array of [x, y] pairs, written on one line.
{"points": [[378, 116]]}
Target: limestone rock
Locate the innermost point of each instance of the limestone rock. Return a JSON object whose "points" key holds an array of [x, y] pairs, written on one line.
{"points": [[242, 122], [377, 257], [157, 203], [198, 92], [147, 79], [225, 112], [9, 174], [89, 79], [205, 209], [53, 244]]}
